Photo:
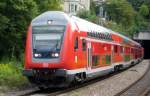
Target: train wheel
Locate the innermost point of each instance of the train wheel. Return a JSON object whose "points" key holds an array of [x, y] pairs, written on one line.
{"points": [[118, 68], [115, 69], [80, 77], [41, 87], [77, 78], [132, 63]]}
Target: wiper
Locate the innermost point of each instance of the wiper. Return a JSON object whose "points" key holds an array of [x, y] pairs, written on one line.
{"points": [[58, 45]]}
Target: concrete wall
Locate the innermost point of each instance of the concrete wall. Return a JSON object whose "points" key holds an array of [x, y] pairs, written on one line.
{"points": [[142, 36]]}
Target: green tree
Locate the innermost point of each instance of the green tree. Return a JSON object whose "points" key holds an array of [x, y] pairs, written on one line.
{"points": [[126, 20], [15, 17], [120, 11], [144, 4], [46, 5], [144, 10], [136, 3], [89, 15]]}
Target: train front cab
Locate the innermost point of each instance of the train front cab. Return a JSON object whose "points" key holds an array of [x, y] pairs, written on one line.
{"points": [[49, 50]]}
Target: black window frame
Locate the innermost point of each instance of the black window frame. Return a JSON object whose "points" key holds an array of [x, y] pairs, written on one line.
{"points": [[121, 49], [116, 49], [84, 45], [95, 60], [76, 44]]}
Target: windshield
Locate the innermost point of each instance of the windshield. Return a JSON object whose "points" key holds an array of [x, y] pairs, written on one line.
{"points": [[48, 38]]}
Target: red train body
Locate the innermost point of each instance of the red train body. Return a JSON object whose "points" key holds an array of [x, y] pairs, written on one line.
{"points": [[61, 49]]}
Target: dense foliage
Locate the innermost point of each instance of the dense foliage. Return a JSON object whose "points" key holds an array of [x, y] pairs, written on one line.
{"points": [[15, 17], [45, 5], [120, 11], [124, 16], [11, 75], [89, 15], [127, 17]]}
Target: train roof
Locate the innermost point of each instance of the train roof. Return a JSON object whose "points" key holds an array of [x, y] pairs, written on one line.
{"points": [[83, 24], [59, 18], [92, 27]]}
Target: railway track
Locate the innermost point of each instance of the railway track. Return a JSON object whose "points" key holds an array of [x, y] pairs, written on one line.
{"points": [[139, 88], [54, 92]]}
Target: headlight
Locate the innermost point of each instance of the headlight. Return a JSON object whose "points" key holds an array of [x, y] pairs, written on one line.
{"points": [[56, 54], [53, 54], [37, 55]]}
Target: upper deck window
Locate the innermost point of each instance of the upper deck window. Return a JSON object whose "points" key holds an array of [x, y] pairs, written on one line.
{"points": [[76, 43], [115, 48], [83, 45], [121, 49]]}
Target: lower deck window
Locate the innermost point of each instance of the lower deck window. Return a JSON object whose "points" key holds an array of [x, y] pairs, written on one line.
{"points": [[108, 59], [95, 60]]}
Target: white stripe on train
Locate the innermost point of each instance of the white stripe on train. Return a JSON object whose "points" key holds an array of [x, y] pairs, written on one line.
{"points": [[89, 70]]}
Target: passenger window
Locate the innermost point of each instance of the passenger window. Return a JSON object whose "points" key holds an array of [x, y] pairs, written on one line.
{"points": [[121, 49], [115, 49], [132, 50], [108, 59], [126, 50], [83, 45], [95, 60], [76, 43], [129, 50]]}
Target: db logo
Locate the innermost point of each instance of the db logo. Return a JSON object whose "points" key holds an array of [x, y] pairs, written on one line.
{"points": [[45, 64]]}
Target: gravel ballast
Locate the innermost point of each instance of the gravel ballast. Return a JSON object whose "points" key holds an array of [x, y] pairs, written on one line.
{"points": [[112, 85]]}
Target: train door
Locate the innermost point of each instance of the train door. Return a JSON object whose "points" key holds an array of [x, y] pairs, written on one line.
{"points": [[76, 49], [112, 54], [88, 55], [83, 52]]}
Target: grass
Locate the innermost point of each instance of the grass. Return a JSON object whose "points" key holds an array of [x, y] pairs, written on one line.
{"points": [[11, 74]]}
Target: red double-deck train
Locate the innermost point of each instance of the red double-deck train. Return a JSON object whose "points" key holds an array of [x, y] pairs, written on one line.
{"points": [[61, 49]]}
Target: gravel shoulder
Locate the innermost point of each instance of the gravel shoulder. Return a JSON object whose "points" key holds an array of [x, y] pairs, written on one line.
{"points": [[5, 91], [112, 85]]}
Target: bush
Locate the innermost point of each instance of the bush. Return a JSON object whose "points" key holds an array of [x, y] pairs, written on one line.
{"points": [[11, 76], [88, 15]]}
